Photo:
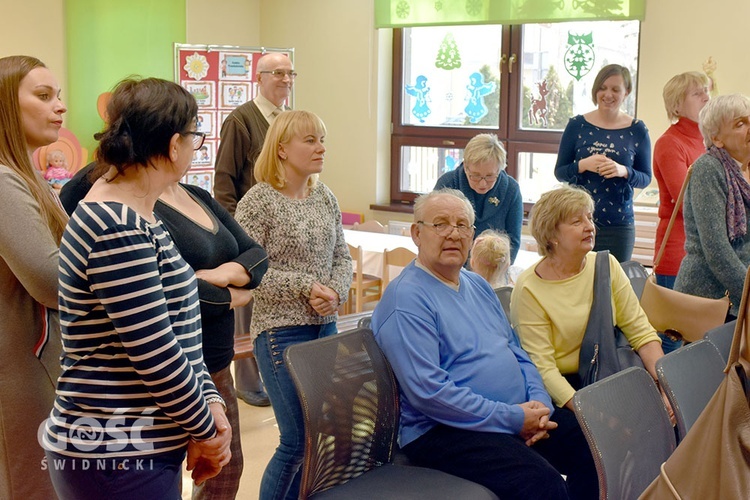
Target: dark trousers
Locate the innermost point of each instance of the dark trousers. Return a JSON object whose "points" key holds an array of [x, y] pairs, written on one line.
{"points": [[504, 464], [619, 240]]}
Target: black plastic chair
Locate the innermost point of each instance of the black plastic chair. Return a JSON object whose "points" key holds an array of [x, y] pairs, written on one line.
{"points": [[627, 427], [637, 274], [690, 376], [349, 399], [503, 293], [721, 337]]}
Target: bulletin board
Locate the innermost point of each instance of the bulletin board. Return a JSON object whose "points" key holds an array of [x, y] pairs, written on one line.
{"points": [[221, 77]]}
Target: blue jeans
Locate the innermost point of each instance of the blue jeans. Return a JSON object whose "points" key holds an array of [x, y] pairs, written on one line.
{"points": [[667, 345], [619, 240], [117, 478], [281, 479]]}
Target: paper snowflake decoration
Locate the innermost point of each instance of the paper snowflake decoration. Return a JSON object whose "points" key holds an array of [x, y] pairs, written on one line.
{"points": [[196, 66]]}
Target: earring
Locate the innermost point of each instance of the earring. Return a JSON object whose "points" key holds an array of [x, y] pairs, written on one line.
{"points": [[283, 157]]}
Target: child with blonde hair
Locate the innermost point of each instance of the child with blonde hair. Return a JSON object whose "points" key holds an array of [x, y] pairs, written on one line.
{"points": [[490, 258]]}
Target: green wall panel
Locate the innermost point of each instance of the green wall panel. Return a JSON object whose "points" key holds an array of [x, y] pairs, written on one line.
{"points": [[108, 40]]}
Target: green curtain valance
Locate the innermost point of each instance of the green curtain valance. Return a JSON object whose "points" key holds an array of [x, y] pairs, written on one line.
{"points": [[403, 13]]}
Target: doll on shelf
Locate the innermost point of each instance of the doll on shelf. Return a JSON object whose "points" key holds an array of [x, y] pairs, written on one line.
{"points": [[57, 173]]}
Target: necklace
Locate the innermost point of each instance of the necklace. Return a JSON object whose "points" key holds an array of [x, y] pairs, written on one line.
{"points": [[565, 275]]}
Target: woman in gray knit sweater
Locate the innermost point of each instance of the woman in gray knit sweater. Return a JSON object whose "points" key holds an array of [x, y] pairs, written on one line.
{"points": [[297, 220], [717, 204]]}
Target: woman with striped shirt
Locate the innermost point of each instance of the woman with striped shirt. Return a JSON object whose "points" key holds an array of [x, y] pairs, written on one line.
{"points": [[134, 394]]}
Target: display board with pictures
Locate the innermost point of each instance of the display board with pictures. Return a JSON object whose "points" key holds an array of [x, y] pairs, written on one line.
{"points": [[221, 78]]}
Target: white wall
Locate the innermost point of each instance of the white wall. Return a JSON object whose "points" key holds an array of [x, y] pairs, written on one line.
{"points": [[344, 65]]}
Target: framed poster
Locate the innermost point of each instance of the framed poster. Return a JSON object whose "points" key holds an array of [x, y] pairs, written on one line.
{"points": [[234, 93], [204, 93], [206, 122], [221, 78], [204, 157], [203, 178]]}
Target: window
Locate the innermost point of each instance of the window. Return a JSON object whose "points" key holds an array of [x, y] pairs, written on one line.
{"points": [[522, 83]]}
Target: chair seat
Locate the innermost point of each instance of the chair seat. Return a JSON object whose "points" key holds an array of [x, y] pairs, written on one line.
{"points": [[399, 482]]}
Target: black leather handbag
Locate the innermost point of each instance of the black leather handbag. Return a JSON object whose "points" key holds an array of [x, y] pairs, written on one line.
{"points": [[605, 350]]}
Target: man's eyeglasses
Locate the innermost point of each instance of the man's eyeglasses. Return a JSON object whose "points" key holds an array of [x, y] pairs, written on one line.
{"points": [[198, 138], [486, 178], [445, 230], [281, 73]]}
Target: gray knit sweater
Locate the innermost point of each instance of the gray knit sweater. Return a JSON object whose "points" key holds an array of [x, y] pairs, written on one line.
{"points": [[712, 265], [305, 243]]}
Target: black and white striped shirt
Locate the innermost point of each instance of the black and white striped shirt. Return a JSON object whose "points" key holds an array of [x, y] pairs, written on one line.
{"points": [[134, 381]]}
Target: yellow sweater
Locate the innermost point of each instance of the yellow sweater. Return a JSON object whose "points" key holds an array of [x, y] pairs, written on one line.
{"points": [[550, 318]]}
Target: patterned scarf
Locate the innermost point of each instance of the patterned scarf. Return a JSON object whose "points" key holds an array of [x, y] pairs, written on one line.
{"points": [[738, 196]]}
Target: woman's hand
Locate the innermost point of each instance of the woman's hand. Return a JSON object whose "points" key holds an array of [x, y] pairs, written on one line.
{"points": [[207, 458], [240, 296], [603, 166], [227, 274], [613, 169], [324, 300]]}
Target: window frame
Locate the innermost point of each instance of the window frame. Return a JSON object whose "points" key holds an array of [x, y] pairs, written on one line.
{"points": [[515, 139]]}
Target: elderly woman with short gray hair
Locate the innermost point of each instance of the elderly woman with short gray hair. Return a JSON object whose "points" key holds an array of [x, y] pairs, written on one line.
{"points": [[495, 196], [717, 204]]}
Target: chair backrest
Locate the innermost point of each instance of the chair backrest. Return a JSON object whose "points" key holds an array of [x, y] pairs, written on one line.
{"points": [[372, 226], [637, 274], [356, 255], [399, 257], [351, 218], [503, 293], [628, 430], [690, 376], [721, 337], [350, 404], [365, 322]]}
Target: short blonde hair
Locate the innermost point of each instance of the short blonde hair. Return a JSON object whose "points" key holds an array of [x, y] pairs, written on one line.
{"points": [[268, 166], [553, 208], [485, 147], [676, 89], [420, 202], [720, 110], [490, 255]]}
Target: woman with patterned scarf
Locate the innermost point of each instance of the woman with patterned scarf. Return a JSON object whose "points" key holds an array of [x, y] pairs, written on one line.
{"points": [[717, 204]]}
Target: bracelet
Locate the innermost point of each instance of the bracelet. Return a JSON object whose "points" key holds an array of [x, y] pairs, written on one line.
{"points": [[216, 399]]}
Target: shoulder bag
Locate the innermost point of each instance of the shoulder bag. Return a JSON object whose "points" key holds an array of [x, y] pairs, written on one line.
{"points": [[604, 350], [713, 460], [678, 314]]}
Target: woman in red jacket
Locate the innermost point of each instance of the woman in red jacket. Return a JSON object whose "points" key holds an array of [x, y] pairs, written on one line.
{"points": [[677, 149]]}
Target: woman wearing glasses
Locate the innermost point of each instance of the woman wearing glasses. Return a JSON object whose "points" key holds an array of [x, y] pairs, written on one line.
{"points": [[228, 264], [298, 221], [134, 394], [495, 196]]}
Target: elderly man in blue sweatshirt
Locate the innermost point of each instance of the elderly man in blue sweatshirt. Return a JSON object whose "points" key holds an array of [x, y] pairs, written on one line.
{"points": [[472, 402]]}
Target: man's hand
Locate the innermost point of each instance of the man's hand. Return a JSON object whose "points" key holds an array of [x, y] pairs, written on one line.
{"points": [[536, 423]]}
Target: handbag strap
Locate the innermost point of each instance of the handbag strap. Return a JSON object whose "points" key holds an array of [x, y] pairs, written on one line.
{"points": [[677, 207], [741, 329], [600, 317]]}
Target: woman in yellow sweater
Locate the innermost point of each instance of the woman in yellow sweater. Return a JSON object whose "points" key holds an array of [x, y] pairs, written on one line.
{"points": [[552, 299]]}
